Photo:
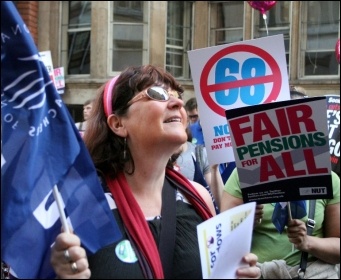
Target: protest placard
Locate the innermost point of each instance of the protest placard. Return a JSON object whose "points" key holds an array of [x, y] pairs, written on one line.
{"points": [[333, 116], [59, 81], [232, 76], [281, 150]]}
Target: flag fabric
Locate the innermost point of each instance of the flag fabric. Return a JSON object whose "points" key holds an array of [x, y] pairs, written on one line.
{"points": [[226, 170], [280, 215], [41, 148]]}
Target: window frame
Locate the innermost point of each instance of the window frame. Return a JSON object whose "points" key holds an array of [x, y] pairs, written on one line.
{"points": [[65, 31], [257, 18], [145, 39], [212, 32], [187, 39], [302, 47]]}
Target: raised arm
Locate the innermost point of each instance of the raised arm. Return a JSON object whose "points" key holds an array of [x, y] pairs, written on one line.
{"points": [[215, 181]]}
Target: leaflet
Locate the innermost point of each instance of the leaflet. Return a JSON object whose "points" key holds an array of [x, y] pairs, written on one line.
{"points": [[224, 240]]}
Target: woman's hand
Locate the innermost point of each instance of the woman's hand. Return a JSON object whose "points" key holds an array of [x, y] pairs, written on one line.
{"points": [[297, 234], [68, 258], [251, 271]]}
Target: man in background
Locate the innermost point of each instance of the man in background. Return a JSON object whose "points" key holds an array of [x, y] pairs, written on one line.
{"points": [[194, 125], [87, 107], [297, 92], [191, 107]]}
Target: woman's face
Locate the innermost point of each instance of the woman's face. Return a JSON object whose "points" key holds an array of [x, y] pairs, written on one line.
{"points": [[157, 124]]}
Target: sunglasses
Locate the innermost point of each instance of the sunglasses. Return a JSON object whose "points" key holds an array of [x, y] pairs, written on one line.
{"points": [[155, 93]]}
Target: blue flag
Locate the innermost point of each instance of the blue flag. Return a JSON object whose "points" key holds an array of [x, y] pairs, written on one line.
{"points": [[41, 148], [280, 215], [226, 170]]}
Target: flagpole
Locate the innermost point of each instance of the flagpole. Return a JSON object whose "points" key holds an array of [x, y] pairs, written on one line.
{"points": [[59, 200], [290, 218], [289, 210]]}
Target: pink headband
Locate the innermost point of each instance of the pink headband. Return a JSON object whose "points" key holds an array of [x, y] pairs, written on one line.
{"points": [[107, 97]]}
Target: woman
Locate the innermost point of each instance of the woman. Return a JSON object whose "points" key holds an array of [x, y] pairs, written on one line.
{"points": [[280, 255], [323, 246], [138, 122]]}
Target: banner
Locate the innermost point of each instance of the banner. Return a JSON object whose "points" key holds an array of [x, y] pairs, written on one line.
{"points": [[41, 148], [282, 150]]}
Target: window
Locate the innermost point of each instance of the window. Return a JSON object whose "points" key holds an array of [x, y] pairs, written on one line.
{"points": [[226, 22], [320, 24], [277, 22], [78, 38], [129, 33], [178, 42]]}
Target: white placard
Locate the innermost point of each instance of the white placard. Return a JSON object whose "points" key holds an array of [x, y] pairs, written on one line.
{"points": [[232, 76]]}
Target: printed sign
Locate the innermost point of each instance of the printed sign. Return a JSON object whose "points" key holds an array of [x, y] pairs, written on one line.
{"points": [[232, 76], [282, 151], [333, 117], [59, 81], [47, 60]]}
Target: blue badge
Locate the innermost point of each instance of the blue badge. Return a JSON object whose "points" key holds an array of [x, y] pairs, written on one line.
{"points": [[125, 252]]}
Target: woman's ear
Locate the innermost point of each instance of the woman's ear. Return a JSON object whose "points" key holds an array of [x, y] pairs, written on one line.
{"points": [[115, 124]]}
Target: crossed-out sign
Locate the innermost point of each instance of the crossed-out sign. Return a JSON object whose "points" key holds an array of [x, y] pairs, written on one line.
{"points": [[233, 76], [253, 73]]}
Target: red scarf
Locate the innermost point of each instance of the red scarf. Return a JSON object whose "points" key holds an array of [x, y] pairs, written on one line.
{"points": [[135, 222]]}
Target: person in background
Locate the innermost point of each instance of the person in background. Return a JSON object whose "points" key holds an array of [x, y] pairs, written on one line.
{"points": [[323, 246], [87, 107], [194, 125], [297, 92], [277, 258], [191, 160], [191, 107], [138, 123]]}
